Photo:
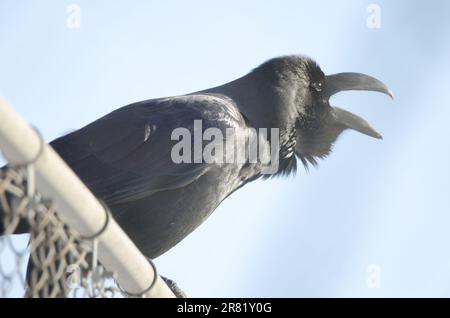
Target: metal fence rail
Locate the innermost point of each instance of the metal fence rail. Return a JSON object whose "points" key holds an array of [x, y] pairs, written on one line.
{"points": [[77, 207]]}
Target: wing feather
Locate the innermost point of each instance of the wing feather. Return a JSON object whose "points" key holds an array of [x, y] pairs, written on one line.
{"points": [[120, 159]]}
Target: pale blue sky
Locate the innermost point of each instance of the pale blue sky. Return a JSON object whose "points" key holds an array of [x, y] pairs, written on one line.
{"points": [[372, 202]]}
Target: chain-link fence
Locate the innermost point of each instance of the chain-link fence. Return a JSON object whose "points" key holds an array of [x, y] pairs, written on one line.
{"points": [[60, 262]]}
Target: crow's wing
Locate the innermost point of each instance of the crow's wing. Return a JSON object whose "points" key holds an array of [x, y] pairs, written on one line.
{"points": [[126, 155]]}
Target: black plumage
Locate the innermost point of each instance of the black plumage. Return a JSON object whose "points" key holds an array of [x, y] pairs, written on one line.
{"points": [[125, 157]]}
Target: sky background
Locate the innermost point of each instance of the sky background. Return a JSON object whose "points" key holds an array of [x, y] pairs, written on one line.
{"points": [[373, 208]]}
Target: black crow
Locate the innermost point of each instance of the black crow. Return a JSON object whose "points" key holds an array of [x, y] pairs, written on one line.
{"points": [[130, 158]]}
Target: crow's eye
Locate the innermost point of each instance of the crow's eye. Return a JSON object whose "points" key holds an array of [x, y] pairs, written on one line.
{"points": [[317, 86]]}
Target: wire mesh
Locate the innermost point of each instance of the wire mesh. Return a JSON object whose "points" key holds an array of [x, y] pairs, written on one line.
{"points": [[60, 262]]}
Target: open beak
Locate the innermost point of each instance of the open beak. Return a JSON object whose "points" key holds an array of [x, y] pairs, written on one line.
{"points": [[349, 82]]}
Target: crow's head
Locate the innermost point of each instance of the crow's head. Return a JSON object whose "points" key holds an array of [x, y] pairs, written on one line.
{"points": [[303, 92], [293, 94], [319, 124]]}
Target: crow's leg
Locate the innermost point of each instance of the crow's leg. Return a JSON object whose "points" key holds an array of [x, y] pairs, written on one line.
{"points": [[174, 287]]}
